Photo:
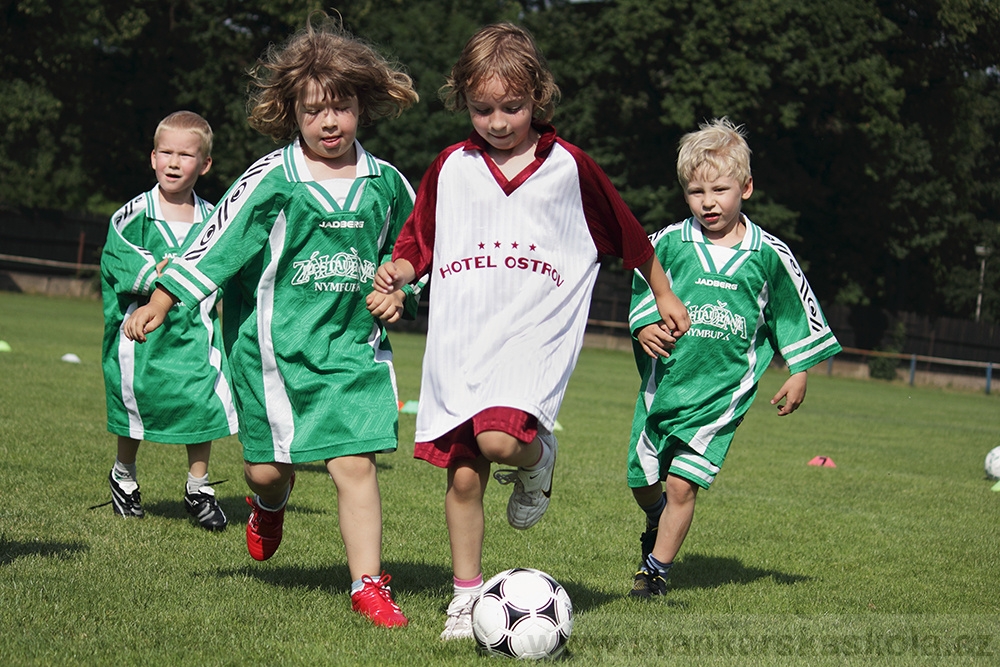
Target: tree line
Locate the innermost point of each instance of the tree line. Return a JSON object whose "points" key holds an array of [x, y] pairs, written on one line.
{"points": [[874, 124]]}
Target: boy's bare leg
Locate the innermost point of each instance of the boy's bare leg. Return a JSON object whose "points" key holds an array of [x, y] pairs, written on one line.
{"points": [[505, 449], [269, 480], [127, 449], [198, 455], [676, 518], [648, 495], [463, 510], [359, 509]]}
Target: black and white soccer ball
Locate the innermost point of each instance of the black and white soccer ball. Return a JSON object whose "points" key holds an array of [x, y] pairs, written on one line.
{"points": [[992, 464], [522, 613]]}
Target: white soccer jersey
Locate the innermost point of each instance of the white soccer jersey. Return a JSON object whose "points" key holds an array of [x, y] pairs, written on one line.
{"points": [[176, 391], [312, 369], [512, 266], [745, 303]]}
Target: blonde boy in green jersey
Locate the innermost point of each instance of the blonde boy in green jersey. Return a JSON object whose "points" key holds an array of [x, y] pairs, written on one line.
{"points": [[177, 392], [747, 298]]}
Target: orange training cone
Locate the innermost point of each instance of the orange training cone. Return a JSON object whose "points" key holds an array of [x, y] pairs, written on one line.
{"points": [[823, 461]]}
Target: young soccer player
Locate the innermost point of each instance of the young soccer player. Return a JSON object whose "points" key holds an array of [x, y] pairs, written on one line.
{"points": [[747, 297], [177, 392], [512, 224], [299, 237]]}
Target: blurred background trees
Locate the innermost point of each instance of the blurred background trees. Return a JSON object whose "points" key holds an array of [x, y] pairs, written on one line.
{"points": [[874, 124]]}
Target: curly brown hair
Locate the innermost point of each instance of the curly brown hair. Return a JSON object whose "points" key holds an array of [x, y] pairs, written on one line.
{"points": [[341, 64], [508, 52]]}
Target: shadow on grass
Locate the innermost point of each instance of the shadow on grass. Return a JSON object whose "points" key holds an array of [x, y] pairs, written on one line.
{"points": [[587, 599], [698, 571], [11, 551], [236, 509], [415, 578]]}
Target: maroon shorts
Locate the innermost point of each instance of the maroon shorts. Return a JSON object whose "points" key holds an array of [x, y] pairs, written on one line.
{"points": [[460, 442]]}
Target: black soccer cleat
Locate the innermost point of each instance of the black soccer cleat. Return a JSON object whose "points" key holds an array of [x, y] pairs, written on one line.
{"points": [[128, 505], [203, 507], [646, 585]]}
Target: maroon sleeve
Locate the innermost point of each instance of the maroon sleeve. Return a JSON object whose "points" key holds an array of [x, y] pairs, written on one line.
{"points": [[416, 240], [613, 227]]}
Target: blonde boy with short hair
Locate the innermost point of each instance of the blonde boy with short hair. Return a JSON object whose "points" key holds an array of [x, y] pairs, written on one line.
{"points": [[177, 393], [747, 298]]}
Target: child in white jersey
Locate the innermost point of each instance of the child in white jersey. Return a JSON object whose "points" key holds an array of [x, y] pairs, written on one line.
{"points": [[299, 237], [179, 391], [747, 298], [511, 224]]}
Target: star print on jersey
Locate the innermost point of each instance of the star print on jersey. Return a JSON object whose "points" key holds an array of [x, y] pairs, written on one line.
{"points": [[717, 316], [513, 261], [342, 265]]}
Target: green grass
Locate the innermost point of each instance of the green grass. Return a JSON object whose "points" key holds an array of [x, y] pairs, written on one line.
{"points": [[889, 558]]}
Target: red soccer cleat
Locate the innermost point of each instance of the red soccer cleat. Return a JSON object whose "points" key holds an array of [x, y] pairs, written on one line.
{"points": [[264, 528], [374, 600]]}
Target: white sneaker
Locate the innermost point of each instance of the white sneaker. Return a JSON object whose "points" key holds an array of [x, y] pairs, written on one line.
{"points": [[532, 488], [459, 623]]}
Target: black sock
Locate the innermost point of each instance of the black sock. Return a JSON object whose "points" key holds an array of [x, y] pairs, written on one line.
{"points": [[654, 511]]}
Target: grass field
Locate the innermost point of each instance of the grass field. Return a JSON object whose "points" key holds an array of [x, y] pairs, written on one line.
{"points": [[888, 559]]}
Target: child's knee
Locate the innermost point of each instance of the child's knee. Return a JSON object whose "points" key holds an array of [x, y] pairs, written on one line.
{"points": [[647, 495], [267, 475], [680, 490], [466, 483], [498, 446]]}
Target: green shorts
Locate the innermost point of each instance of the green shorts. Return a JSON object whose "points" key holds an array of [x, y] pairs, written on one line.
{"points": [[651, 457]]}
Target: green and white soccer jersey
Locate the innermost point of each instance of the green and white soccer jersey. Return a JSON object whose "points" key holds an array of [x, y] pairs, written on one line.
{"points": [[312, 369], [745, 303], [176, 391]]}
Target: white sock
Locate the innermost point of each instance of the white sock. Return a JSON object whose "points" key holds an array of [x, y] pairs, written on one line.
{"points": [[194, 484], [544, 456], [471, 587], [124, 474]]}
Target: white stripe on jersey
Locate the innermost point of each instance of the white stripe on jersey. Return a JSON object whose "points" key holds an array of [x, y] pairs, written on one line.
{"points": [[222, 389], [277, 404], [126, 362], [198, 291], [679, 463], [793, 359], [648, 458], [703, 437], [643, 309], [383, 356]]}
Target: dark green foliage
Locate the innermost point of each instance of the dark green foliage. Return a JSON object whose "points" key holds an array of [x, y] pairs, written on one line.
{"points": [[874, 124]]}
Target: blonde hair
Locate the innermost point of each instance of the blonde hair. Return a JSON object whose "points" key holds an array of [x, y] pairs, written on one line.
{"points": [[507, 52], [342, 65], [719, 145], [190, 121]]}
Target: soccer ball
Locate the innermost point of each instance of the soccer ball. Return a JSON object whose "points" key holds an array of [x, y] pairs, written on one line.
{"points": [[992, 464], [522, 613]]}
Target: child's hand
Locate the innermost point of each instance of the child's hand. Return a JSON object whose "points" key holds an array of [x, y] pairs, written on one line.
{"points": [[675, 315], [793, 391], [161, 265], [143, 321], [147, 318], [390, 277], [386, 307], [656, 340]]}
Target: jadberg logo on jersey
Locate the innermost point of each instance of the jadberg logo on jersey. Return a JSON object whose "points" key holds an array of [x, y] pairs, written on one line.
{"points": [[711, 282]]}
